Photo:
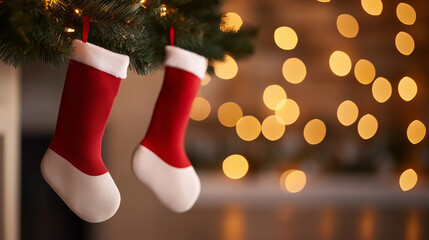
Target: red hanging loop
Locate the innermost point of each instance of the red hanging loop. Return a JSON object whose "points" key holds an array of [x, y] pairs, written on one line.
{"points": [[172, 36], [85, 30]]}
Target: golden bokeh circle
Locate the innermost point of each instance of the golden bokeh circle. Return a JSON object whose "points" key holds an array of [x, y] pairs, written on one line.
{"points": [[287, 112], [404, 43], [231, 22], [381, 89], [273, 95], [347, 112], [200, 109], [314, 131], [347, 25], [407, 88], [408, 180], [372, 7], [248, 128], [227, 69], [285, 38], [272, 129], [340, 63], [367, 126], [294, 70], [406, 13], [364, 71], [416, 132], [229, 113], [235, 166]]}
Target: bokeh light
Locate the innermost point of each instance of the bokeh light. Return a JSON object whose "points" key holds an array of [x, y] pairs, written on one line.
{"points": [[314, 131], [248, 128], [287, 112], [272, 129], [372, 7], [407, 88], [200, 109], [324, 1], [381, 90], [235, 166], [293, 181], [347, 112], [285, 38], [206, 80], [294, 70], [273, 95], [408, 180], [416, 131], [231, 22], [364, 71], [347, 25], [406, 13], [404, 43], [229, 113], [340, 63], [227, 69], [367, 126]]}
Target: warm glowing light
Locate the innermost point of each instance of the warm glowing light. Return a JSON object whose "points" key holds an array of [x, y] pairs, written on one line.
{"points": [[364, 71], [163, 10], [235, 166], [372, 7], [206, 80], [231, 21], [272, 129], [273, 95], [416, 131], [367, 126], [404, 43], [407, 88], [229, 113], [294, 70], [314, 131], [340, 63], [406, 13], [69, 29], [77, 11], [233, 225], [408, 180], [381, 90], [347, 113], [324, 1], [347, 25], [285, 38], [142, 1], [227, 69], [200, 109], [248, 128], [295, 181], [287, 112]]}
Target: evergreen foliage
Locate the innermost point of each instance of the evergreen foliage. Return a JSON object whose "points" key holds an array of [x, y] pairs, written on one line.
{"points": [[32, 30]]}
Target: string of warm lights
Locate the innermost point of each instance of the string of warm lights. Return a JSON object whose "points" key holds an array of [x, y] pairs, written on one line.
{"points": [[287, 111], [163, 11]]}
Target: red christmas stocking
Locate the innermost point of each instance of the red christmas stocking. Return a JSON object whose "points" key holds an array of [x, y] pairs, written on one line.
{"points": [[72, 164], [160, 160]]}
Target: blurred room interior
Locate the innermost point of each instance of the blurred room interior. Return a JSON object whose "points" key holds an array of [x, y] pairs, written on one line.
{"points": [[320, 134]]}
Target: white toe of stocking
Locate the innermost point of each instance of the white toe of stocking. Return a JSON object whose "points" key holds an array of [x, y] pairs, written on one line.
{"points": [[92, 198], [177, 188]]}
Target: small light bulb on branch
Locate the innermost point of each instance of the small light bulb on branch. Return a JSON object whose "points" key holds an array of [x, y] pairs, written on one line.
{"points": [[138, 4], [68, 29], [77, 11], [163, 10]]}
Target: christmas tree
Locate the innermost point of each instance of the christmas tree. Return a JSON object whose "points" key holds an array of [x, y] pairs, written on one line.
{"points": [[33, 30]]}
